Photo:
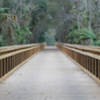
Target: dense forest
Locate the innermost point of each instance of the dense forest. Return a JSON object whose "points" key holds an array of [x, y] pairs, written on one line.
{"points": [[36, 21]]}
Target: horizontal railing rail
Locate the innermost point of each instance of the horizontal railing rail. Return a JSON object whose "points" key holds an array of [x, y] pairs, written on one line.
{"points": [[11, 57], [8, 49], [85, 56], [92, 49]]}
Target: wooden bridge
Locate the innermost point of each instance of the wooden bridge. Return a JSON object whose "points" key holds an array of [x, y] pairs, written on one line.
{"points": [[73, 74]]}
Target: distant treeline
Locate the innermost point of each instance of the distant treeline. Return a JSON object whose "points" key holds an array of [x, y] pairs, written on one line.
{"points": [[33, 21]]}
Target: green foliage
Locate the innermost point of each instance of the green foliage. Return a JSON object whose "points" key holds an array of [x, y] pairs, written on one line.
{"points": [[1, 40], [29, 16], [96, 42], [73, 37], [22, 34], [38, 13], [87, 34], [42, 37], [83, 34], [43, 6], [4, 10]]}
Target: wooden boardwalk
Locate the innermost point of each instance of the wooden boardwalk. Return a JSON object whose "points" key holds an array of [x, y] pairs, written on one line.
{"points": [[49, 75]]}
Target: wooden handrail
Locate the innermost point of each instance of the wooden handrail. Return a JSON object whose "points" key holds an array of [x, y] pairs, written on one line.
{"points": [[9, 49], [11, 57], [87, 56], [92, 49]]}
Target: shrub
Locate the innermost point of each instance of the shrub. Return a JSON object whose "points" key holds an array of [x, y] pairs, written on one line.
{"points": [[22, 34]]}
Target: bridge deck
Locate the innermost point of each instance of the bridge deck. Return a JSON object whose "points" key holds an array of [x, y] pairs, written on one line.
{"points": [[49, 75]]}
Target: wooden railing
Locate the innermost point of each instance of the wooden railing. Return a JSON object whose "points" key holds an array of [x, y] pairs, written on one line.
{"points": [[12, 56], [87, 56]]}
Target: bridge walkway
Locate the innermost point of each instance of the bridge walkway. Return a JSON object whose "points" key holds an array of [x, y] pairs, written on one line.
{"points": [[49, 75]]}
